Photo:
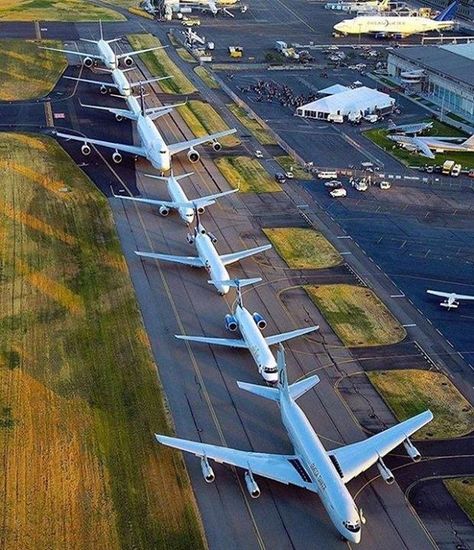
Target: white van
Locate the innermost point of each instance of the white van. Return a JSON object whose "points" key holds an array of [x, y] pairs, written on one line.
{"points": [[337, 119], [336, 193]]}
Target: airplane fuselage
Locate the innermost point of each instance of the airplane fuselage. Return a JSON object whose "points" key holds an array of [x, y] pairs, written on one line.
{"points": [[212, 262], [107, 54], [334, 495], [156, 150], [177, 195], [258, 347], [394, 25], [122, 83]]}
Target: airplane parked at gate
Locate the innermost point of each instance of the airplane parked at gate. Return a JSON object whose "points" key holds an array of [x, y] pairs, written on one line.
{"points": [[398, 26], [179, 200], [428, 146], [250, 326], [208, 257], [452, 299], [105, 54], [409, 129], [311, 466]]}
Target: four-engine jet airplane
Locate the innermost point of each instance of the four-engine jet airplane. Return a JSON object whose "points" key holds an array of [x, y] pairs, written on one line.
{"points": [[179, 200], [105, 53], [208, 257], [311, 466], [398, 26], [452, 299], [409, 129], [152, 145], [426, 145], [250, 326]]}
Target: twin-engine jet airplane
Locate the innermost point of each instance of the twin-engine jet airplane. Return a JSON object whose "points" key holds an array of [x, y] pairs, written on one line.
{"points": [[452, 299], [409, 129], [426, 145], [152, 145], [250, 326], [208, 257], [179, 200], [311, 466], [105, 54]]}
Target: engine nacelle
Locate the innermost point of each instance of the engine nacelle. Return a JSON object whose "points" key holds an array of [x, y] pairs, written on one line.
{"points": [[386, 474], [411, 450], [259, 320], [212, 237], [117, 157], [252, 487], [128, 61], [216, 146], [190, 238], [118, 118], [193, 155], [86, 149], [231, 322], [201, 209], [207, 471], [88, 62], [164, 211], [103, 89]]}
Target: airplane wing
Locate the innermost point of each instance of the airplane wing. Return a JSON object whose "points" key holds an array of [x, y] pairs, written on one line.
{"points": [[423, 148], [119, 146], [449, 294], [185, 145], [211, 199], [284, 336], [286, 469], [229, 342], [228, 259], [137, 52], [356, 458], [125, 113], [73, 52], [156, 202], [185, 260], [97, 82]]}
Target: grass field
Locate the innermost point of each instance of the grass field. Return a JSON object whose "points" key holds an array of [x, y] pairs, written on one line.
{"points": [[303, 248], [55, 10], [79, 396], [27, 72], [207, 77], [185, 55], [356, 315], [411, 391], [202, 119], [159, 64], [142, 13], [247, 174], [252, 125], [462, 491], [287, 163]]}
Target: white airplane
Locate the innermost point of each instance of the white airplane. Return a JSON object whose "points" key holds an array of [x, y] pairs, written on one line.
{"points": [[409, 129], [208, 257], [359, 7], [152, 145], [452, 299], [105, 53], [213, 6], [250, 326], [311, 466], [120, 82], [426, 145], [398, 26], [179, 200]]}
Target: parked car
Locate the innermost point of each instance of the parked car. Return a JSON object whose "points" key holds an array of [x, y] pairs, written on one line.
{"points": [[289, 175], [258, 154], [333, 184], [471, 173], [280, 178], [385, 184], [336, 193]]}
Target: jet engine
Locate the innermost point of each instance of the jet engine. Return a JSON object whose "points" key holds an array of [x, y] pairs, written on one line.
{"points": [[207, 471], [117, 157], [164, 211], [103, 89], [259, 320], [118, 118], [128, 61], [231, 322], [252, 487], [201, 209], [88, 62], [411, 450], [212, 237], [216, 146], [386, 474], [190, 238], [193, 155], [86, 149]]}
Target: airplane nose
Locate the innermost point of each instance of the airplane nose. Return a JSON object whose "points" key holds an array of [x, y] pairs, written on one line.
{"points": [[223, 289]]}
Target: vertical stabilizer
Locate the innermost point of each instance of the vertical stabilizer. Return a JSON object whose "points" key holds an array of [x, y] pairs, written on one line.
{"points": [[449, 13]]}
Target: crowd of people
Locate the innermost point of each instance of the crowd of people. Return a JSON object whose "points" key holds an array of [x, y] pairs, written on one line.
{"points": [[268, 90]]}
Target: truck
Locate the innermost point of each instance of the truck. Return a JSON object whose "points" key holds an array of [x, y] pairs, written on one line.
{"points": [[337, 119], [451, 168], [287, 51], [236, 51]]}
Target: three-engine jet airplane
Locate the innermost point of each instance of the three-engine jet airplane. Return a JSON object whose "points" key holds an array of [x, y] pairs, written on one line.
{"points": [[179, 200], [452, 299], [208, 257], [105, 54], [311, 466], [152, 145], [409, 129], [426, 145], [250, 326]]}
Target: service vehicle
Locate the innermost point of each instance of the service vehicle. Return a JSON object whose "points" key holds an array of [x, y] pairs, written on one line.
{"points": [[385, 184], [289, 175], [337, 193], [327, 175], [258, 154], [280, 178]]}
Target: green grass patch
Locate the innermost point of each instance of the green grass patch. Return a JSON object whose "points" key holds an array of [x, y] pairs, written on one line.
{"points": [[185, 55], [252, 125], [411, 391], [142, 13], [288, 164], [55, 10], [79, 394], [303, 248], [246, 174], [26, 72], [356, 315], [207, 77], [159, 64], [462, 490]]}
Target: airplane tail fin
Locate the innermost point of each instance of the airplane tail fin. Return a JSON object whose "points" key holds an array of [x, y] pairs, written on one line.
{"points": [[470, 142], [449, 13], [384, 4], [238, 284]]}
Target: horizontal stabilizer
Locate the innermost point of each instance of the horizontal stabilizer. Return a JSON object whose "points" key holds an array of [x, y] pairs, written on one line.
{"points": [[228, 259], [262, 391], [300, 388], [166, 178], [284, 336], [236, 283]]}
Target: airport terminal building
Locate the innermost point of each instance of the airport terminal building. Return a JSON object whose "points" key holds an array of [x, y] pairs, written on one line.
{"points": [[442, 74]]}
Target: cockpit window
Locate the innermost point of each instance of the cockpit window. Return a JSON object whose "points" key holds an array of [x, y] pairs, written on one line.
{"points": [[352, 527], [162, 152], [270, 369]]}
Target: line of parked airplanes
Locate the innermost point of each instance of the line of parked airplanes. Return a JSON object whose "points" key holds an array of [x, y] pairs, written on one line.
{"points": [[310, 466]]}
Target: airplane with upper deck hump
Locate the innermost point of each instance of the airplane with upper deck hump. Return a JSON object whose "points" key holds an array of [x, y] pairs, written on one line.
{"points": [[179, 200], [105, 53], [250, 326], [311, 466], [452, 299], [208, 257]]}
